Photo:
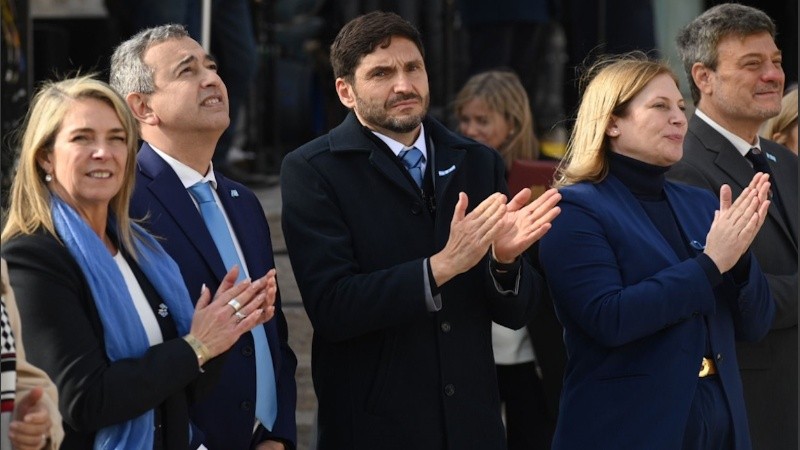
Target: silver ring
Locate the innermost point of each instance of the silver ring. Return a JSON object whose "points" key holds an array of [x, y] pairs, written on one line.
{"points": [[240, 316], [235, 305]]}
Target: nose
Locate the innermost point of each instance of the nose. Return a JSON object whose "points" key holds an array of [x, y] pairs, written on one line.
{"points": [[403, 83], [211, 78], [101, 151], [468, 129], [774, 72], [678, 116]]}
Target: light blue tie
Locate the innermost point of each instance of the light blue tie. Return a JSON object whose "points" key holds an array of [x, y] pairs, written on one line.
{"points": [[266, 399], [412, 159]]}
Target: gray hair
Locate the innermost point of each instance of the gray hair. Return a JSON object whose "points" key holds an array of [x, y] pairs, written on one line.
{"points": [[129, 73], [698, 40]]}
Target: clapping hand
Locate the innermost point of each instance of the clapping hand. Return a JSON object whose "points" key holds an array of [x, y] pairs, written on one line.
{"points": [[736, 224], [235, 309], [525, 223]]}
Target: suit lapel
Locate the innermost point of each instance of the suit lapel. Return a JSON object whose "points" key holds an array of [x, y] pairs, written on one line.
{"points": [[786, 185], [694, 225], [730, 161], [167, 188], [727, 158], [635, 216], [240, 216], [448, 161], [382, 161]]}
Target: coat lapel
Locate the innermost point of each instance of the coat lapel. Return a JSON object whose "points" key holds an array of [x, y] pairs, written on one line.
{"points": [[240, 215], [167, 188], [730, 161]]}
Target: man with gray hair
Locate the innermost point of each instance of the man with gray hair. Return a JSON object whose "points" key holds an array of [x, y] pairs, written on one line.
{"points": [[173, 88], [736, 79]]}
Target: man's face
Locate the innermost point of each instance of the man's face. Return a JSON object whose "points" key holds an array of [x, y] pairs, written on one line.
{"points": [[189, 97], [747, 86], [389, 93]]}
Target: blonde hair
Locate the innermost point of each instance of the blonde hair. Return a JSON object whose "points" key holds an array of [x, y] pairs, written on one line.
{"points": [[503, 93], [610, 85], [29, 207], [781, 123]]}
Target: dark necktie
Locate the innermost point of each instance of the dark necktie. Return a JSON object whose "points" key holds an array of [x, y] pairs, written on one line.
{"points": [[412, 159], [759, 161], [266, 400]]}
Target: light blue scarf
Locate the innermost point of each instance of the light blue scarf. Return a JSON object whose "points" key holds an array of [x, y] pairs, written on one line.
{"points": [[124, 333]]}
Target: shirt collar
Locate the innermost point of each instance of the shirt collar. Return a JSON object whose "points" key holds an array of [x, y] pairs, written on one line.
{"points": [[741, 145], [397, 147], [188, 176]]}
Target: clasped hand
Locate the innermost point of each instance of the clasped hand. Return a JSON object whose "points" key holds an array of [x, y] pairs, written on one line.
{"points": [[736, 224], [218, 324], [31, 424], [509, 228]]}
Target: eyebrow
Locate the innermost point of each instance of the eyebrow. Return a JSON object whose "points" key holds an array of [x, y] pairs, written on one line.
{"points": [[188, 59], [93, 130], [760, 55], [192, 58]]}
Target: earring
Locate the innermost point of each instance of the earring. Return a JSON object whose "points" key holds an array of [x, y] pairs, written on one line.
{"points": [[48, 178]]}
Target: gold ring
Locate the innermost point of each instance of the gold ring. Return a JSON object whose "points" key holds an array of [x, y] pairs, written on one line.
{"points": [[235, 305]]}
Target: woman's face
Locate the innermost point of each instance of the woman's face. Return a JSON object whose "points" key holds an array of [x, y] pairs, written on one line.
{"points": [[653, 126], [88, 158], [477, 121]]}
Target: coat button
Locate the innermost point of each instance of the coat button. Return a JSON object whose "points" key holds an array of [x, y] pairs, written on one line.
{"points": [[446, 327], [416, 209], [719, 356], [449, 390], [247, 350], [246, 405]]}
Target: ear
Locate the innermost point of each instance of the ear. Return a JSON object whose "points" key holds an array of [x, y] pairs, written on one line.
{"points": [[702, 75], [346, 93], [612, 130], [138, 104], [44, 161]]}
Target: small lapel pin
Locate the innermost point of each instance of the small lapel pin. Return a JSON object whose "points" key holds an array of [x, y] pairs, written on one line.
{"points": [[697, 245], [163, 311], [446, 171], [771, 157], [234, 193]]}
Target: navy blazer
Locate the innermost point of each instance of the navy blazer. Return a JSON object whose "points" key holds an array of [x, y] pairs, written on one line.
{"points": [[769, 368], [633, 317], [388, 373], [226, 416]]}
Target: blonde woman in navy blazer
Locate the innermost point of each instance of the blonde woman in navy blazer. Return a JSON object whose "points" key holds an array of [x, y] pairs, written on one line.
{"points": [[653, 281]]}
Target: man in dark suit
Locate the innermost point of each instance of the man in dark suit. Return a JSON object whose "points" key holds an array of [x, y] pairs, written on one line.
{"points": [[172, 86], [400, 282], [730, 56]]}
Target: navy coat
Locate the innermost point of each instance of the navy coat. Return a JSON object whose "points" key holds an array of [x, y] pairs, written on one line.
{"points": [[226, 416], [389, 374], [633, 317]]}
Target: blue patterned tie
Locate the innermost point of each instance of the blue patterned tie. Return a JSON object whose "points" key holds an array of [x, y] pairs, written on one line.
{"points": [[266, 400], [412, 159]]}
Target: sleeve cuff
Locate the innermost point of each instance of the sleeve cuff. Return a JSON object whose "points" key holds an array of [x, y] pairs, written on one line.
{"points": [[710, 269], [506, 277], [433, 301]]}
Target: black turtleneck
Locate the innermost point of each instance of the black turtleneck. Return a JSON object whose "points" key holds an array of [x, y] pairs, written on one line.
{"points": [[646, 183]]}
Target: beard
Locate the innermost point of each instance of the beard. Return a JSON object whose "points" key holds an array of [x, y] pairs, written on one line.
{"points": [[378, 115]]}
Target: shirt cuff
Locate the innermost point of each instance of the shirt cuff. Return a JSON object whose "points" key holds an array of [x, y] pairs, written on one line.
{"points": [[433, 299]]}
